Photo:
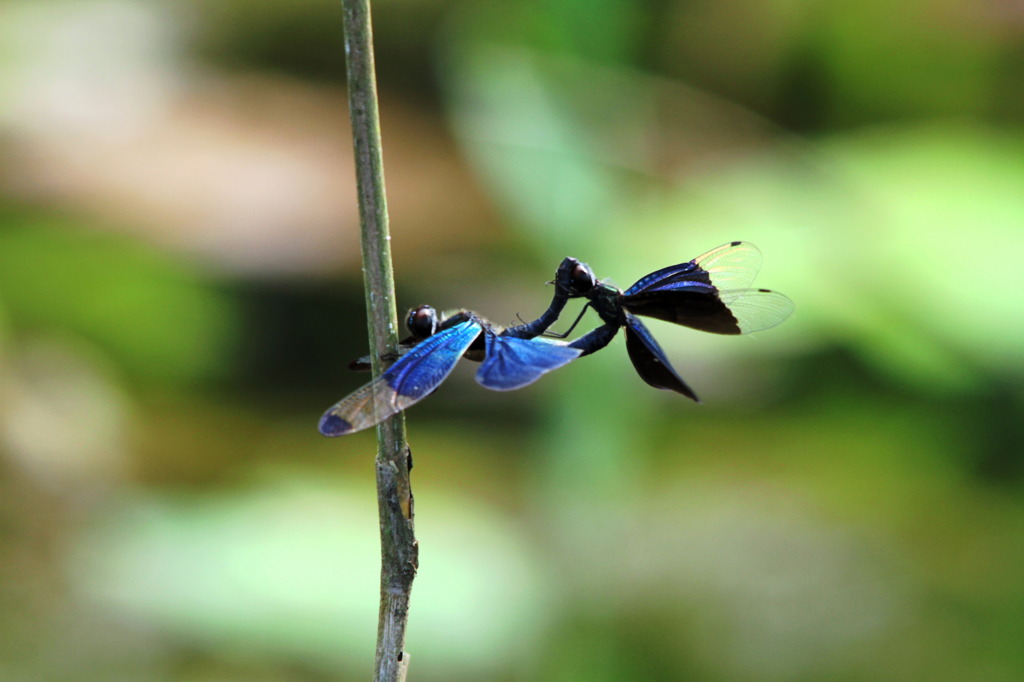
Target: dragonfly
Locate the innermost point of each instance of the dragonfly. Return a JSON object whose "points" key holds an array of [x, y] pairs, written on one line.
{"points": [[711, 293], [510, 358]]}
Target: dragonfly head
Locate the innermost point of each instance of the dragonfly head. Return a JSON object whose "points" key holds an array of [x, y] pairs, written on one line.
{"points": [[422, 321], [574, 278]]}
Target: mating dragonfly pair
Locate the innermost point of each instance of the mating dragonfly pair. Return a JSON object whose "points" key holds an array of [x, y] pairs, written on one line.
{"points": [[711, 293]]}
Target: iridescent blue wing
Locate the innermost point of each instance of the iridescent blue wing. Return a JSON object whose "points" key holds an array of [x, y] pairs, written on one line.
{"points": [[730, 266], [405, 383], [512, 362], [650, 361]]}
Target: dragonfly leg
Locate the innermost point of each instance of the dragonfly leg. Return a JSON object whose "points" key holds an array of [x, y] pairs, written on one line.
{"points": [[562, 335], [539, 326]]}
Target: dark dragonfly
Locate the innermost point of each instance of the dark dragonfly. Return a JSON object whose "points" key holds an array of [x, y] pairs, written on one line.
{"points": [[711, 293], [511, 358]]}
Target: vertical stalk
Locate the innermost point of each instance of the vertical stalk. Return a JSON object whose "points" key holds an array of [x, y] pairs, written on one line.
{"points": [[399, 557]]}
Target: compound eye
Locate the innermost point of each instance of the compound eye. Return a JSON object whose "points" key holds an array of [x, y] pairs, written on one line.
{"points": [[582, 278], [422, 321]]}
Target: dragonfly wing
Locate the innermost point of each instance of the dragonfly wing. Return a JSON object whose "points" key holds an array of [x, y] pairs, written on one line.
{"points": [[650, 361], [512, 362], [737, 311], [730, 266], [691, 307], [405, 383], [682, 272], [757, 309]]}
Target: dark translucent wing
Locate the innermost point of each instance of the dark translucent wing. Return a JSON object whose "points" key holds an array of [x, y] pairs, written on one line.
{"points": [[737, 311], [710, 293], [650, 361], [512, 362], [730, 266], [409, 380], [697, 309], [757, 309]]}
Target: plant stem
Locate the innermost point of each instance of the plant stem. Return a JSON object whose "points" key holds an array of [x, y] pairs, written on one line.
{"points": [[399, 555]]}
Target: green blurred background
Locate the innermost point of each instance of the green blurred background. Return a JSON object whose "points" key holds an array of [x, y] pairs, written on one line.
{"points": [[180, 292]]}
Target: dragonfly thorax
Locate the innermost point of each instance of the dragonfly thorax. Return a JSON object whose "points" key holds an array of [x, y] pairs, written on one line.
{"points": [[606, 301]]}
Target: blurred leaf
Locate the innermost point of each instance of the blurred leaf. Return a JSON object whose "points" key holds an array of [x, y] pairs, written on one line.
{"points": [[291, 571], [518, 121], [602, 31], [154, 316], [926, 57]]}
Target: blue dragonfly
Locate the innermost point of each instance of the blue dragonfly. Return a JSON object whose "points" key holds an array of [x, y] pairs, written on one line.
{"points": [[511, 358], [711, 293]]}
